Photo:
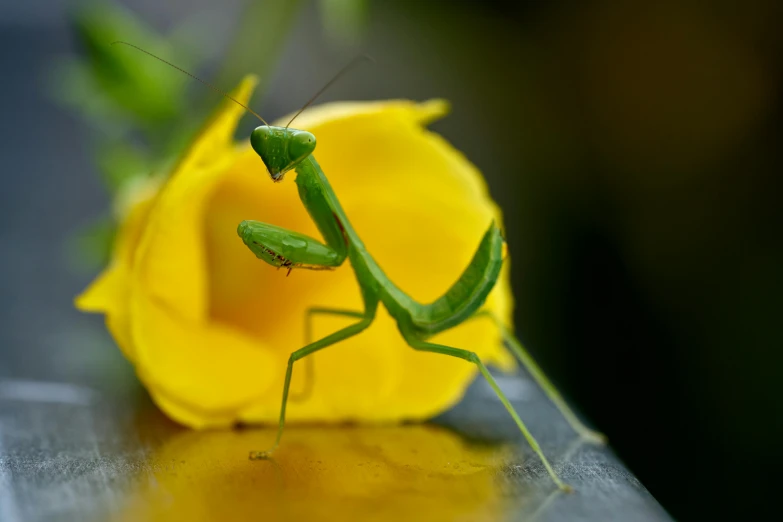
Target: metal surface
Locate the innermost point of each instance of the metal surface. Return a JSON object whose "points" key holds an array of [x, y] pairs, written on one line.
{"points": [[67, 453]]}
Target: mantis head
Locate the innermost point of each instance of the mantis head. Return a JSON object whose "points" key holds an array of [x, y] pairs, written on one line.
{"points": [[281, 148]]}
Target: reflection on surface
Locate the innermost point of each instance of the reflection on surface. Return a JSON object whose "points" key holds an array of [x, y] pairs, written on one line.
{"points": [[340, 473]]}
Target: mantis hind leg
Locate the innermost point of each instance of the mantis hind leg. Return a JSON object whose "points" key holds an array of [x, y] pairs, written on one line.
{"points": [[538, 375], [424, 346], [309, 362], [311, 348]]}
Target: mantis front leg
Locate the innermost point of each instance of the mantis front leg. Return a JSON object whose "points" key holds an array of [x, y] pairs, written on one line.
{"points": [[283, 248]]}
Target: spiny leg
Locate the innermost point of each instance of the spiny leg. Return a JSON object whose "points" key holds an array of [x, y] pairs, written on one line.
{"points": [[329, 340], [309, 369], [418, 344], [538, 375]]}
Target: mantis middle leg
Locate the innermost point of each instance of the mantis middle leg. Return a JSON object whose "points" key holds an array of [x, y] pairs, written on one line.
{"points": [[311, 348], [309, 362]]}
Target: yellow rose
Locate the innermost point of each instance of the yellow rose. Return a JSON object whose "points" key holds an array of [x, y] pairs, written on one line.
{"points": [[209, 327]]}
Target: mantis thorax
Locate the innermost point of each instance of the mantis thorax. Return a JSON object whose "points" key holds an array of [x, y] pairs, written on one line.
{"points": [[281, 148]]}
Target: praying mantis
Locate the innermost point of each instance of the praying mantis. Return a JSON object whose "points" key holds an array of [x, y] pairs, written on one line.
{"points": [[285, 149]]}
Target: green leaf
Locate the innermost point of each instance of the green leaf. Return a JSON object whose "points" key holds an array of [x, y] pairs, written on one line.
{"points": [[146, 89], [89, 249], [344, 20]]}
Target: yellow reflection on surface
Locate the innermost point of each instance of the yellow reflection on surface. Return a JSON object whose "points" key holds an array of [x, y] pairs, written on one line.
{"points": [[347, 473]]}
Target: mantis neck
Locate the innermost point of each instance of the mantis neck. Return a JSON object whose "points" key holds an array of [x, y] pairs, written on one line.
{"points": [[321, 203], [324, 208]]}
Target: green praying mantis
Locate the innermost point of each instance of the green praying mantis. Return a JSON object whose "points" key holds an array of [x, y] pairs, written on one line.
{"points": [[283, 149]]}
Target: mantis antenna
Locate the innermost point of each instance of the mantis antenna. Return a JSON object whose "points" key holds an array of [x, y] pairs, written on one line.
{"points": [[248, 109], [342, 71]]}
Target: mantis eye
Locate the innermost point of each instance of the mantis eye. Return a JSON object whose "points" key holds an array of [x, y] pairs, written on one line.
{"points": [[302, 145], [259, 138]]}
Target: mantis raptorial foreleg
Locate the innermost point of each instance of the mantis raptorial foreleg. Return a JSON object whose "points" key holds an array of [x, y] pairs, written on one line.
{"points": [[285, 248], [425, 346], [329, 340], [309, 362], [538, 375]]}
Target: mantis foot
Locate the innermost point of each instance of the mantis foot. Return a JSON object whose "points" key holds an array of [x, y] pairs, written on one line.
{"points": [[260, 455]]}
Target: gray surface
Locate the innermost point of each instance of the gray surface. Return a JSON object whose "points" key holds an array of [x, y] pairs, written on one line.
{"points": [[67, 453]]}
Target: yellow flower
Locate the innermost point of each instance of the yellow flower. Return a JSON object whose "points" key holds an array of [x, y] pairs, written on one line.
{"points": [[209, 327]]}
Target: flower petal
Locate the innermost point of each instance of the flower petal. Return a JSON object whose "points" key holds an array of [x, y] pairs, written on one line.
{"points": [[171, 260], [422, 113], [216, 138], [108, 294], [202, 374]]}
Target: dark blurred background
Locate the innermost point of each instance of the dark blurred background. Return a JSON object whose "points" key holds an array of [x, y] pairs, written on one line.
{"points": [[634, 147]]}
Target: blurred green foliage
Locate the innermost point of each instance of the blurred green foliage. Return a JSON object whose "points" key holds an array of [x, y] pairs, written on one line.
{"points": [[344, 19], [135, 105], [140, 110]]}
